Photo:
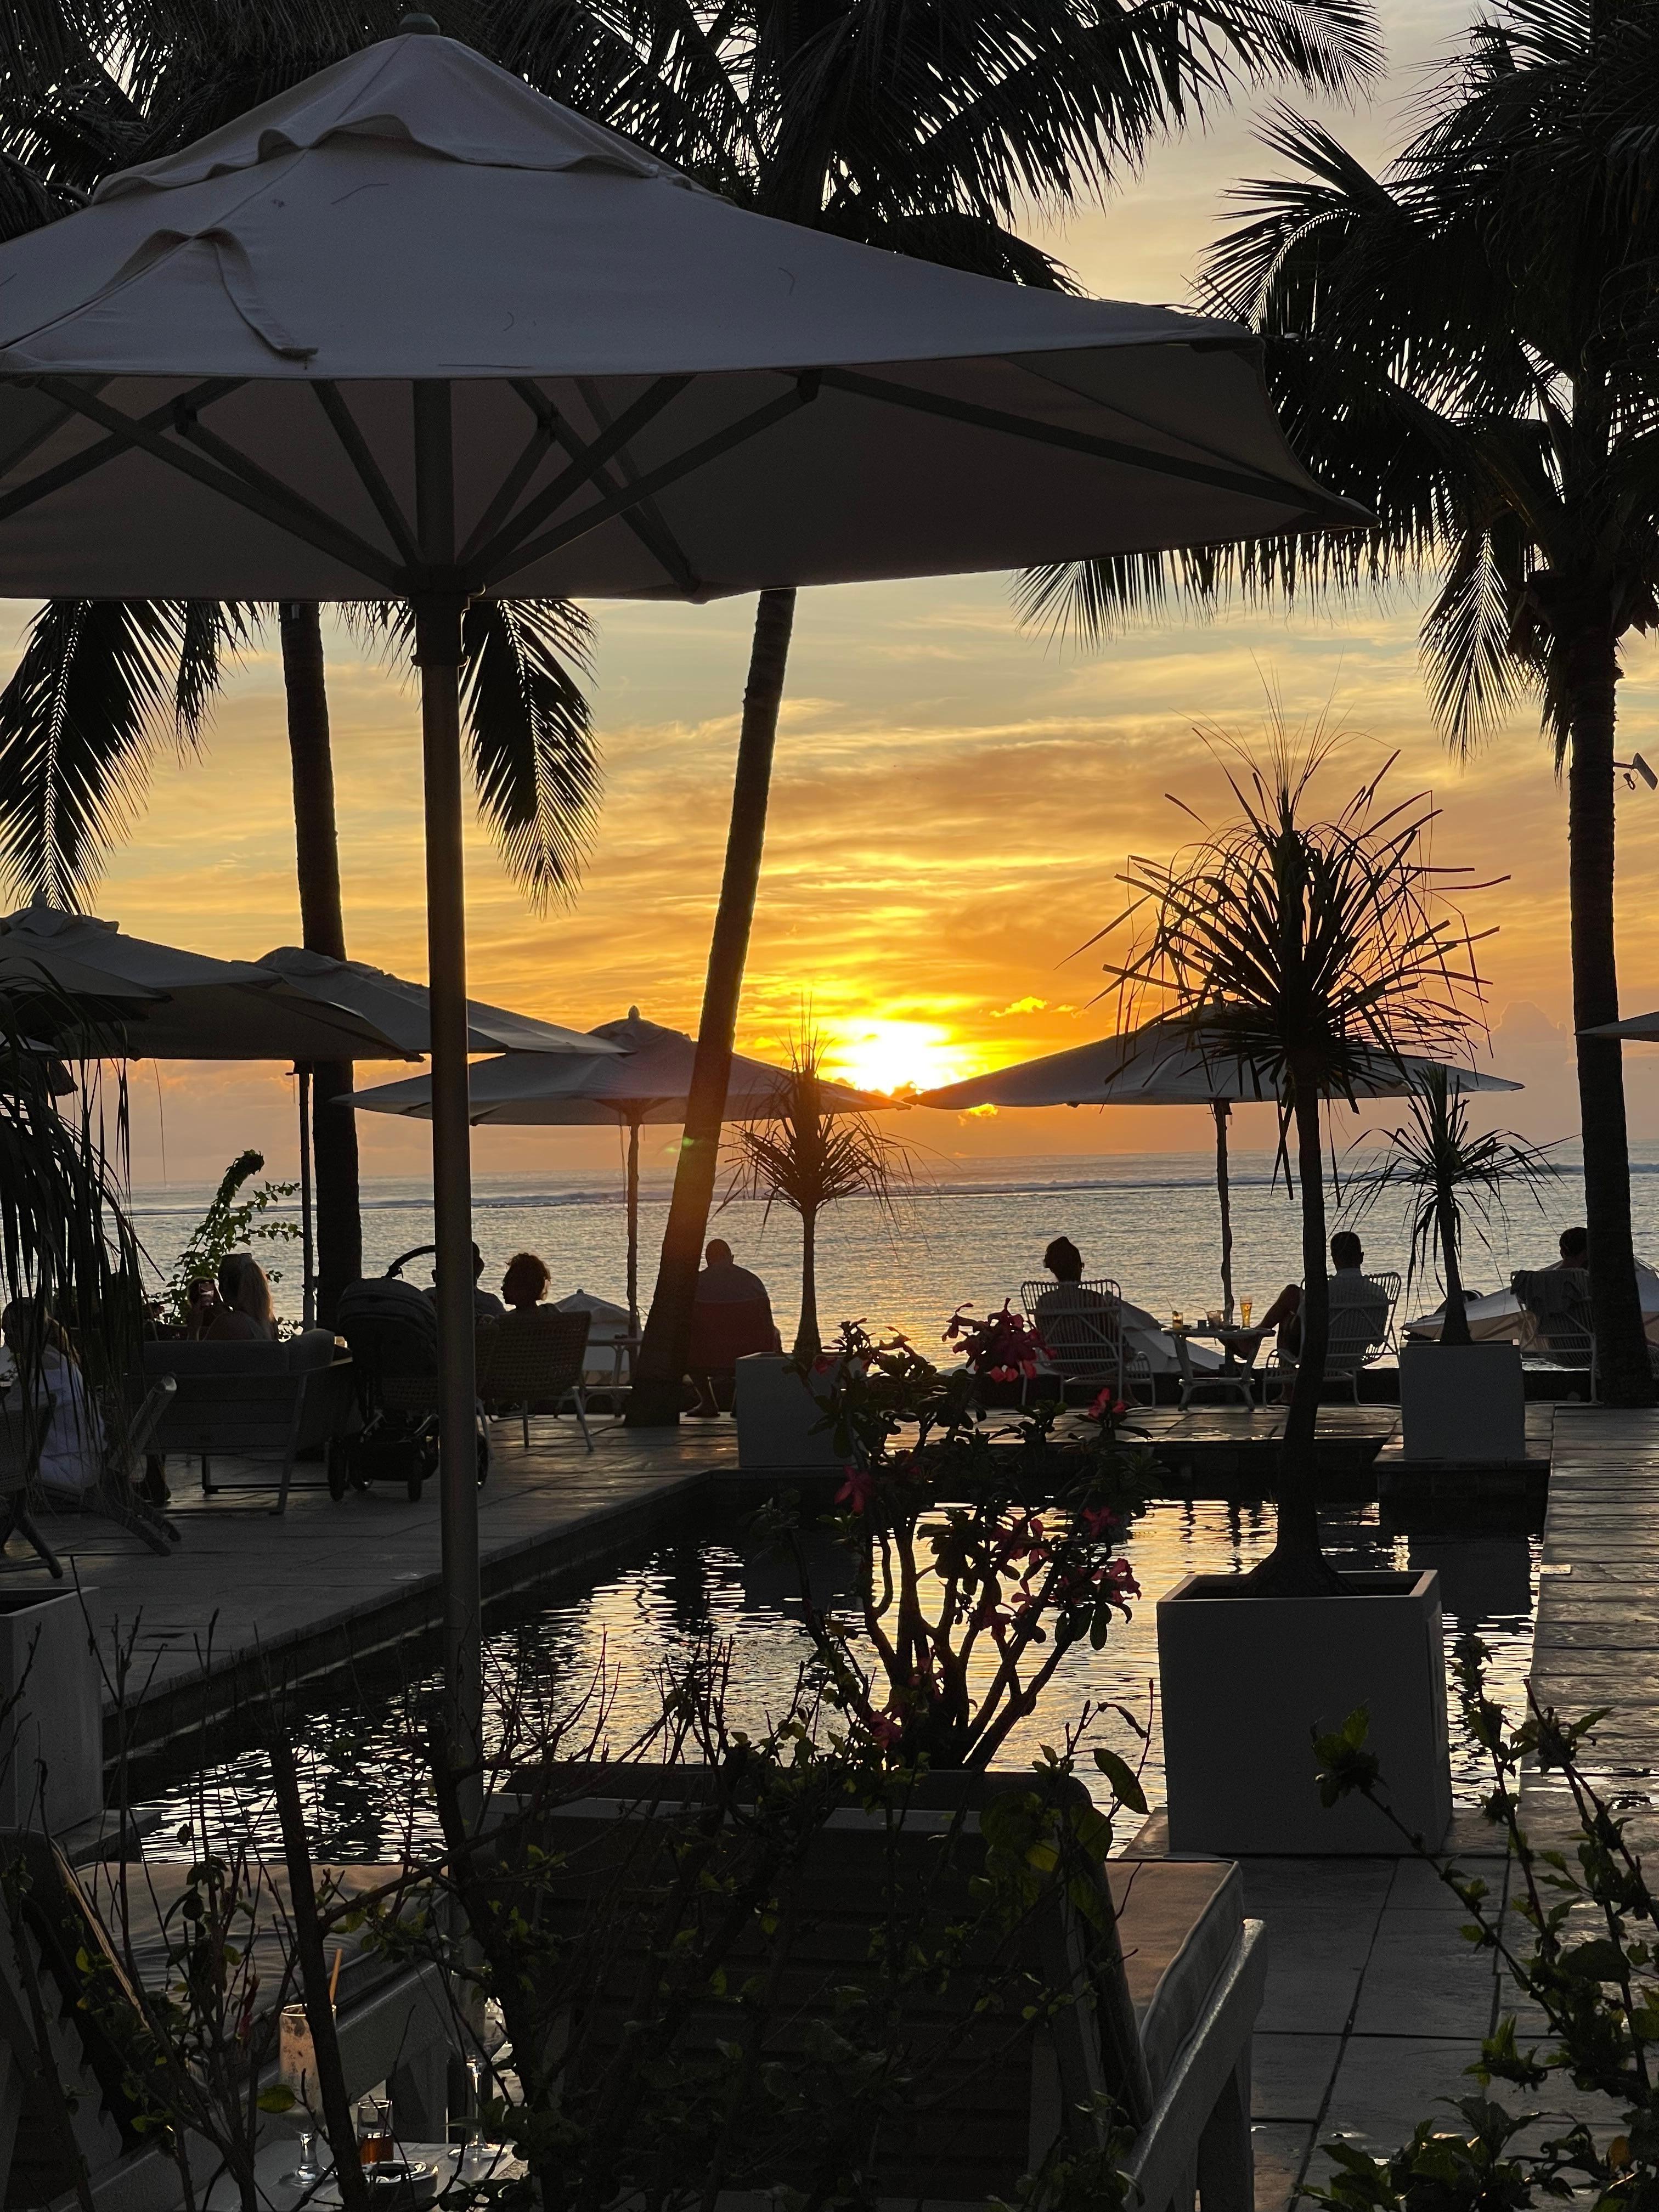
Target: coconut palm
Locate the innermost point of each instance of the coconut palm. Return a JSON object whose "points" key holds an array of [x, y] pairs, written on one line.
{"points": [[1465, 344], [1304, 946], [924, 127]]}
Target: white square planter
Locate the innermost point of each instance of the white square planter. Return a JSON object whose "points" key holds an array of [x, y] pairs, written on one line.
{"points": [[48, 1665], [777, 1414], [1462, 1403], [1246, 1682]]}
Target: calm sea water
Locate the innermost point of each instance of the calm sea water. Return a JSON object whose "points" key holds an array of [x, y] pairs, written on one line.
{"points": [[367, 1800], [970, 1234]]}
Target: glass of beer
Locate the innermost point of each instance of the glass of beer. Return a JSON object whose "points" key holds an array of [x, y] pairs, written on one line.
{"points": [[1244, 1305], [373, 2129]]}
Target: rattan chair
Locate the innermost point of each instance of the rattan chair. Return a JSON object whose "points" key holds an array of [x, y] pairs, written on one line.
{"points": [[535, 1359], [1557, 1301], [1081, 1326], [1361, 1328]]}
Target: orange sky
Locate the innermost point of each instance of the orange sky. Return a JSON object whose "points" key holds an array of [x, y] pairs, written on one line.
{"points": [[953, 799]]}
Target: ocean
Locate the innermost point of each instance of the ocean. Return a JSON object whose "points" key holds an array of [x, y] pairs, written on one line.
{"points": [[967, 1234]]}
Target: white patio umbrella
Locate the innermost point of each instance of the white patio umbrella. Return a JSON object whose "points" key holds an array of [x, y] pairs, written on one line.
{"points": [[411, 329], [650, 1084], [1160, 1064], [1640, 1028]]}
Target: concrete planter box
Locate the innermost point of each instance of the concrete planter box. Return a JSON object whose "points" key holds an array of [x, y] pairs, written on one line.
{"points": [[1245, 1680], [48, 1667], [1463, 1402], [777, 1414]]}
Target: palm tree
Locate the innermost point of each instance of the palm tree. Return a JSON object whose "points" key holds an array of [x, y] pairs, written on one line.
{"points": [[1304, 948], [102, 685], [922, 126], [1466, 346]]}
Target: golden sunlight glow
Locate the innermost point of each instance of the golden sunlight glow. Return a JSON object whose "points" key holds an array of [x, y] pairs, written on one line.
{"points": [[895, 1055]]}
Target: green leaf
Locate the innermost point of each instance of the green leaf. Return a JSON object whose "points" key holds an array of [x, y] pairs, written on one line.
{"points": [[279, 2098], [1126, 1783]]}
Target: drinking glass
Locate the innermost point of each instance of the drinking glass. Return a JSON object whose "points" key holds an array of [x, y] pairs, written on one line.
{"points": [[1244, 1311], [1177, 1320], [478, 2157], [296, 2068], [1213, 1317], [373, 2129]]}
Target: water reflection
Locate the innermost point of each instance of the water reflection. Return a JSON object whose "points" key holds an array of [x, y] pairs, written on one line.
{"points": [[367, 1800]]}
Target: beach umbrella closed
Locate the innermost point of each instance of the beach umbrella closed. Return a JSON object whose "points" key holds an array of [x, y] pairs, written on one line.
{"points": [[410, 330], [1160, 1065], [650, 1084]]}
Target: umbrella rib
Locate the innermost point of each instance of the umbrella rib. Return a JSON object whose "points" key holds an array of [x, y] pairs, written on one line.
{"points": [[658, 479], [370, 475], [282, 497], [646, 520], [633, 419], [536, 447], [93, 457], [275, 504], [1306, 497]]}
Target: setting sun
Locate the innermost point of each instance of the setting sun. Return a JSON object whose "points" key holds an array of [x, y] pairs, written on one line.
{"points": [[894, 1055]]}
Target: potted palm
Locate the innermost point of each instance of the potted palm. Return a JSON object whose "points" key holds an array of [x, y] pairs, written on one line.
{"points": [[1459, 1401], [1302, 946], [811, 1152]]}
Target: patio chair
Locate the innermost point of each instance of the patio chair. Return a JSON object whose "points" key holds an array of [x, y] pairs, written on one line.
{"points": [[253, 1400], [535, 1361], [1164, 1973], [22, 1430], [1557, 1299], [1362, 1326], [394, 2021], [1081, 1325]]}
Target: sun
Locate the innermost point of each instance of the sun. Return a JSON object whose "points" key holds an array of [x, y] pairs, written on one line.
{"points": [[891, 1056]]}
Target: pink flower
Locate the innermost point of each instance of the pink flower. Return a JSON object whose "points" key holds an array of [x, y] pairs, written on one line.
{"points": [[1121, 1575], [885, 1730], [857, 1490], [1107, 1407], [1099, 1520]]}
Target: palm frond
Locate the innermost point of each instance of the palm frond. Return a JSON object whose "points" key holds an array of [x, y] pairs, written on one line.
{"points": [[1475, 671], [534, 757], [79, 722]]}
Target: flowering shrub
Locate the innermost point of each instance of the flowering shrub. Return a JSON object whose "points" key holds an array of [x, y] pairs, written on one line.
{"points": [[982, 1554]]}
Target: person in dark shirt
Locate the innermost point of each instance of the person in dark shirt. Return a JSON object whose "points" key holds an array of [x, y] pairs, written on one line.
{"points": [[730, 1318]]}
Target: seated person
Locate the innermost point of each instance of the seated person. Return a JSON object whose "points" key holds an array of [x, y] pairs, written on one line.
{"points": [[486, 1306], [730, 1318], [1351, 1289], [526, 1282], [202, 1305], [1073, 1320], [1574, 1248], [72, 1450], [246, 1314]]}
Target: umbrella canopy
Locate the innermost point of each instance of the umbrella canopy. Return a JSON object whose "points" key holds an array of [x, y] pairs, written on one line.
{"points": [[1160, 1064], [411, 329], [400, 1012], [1642, 1027], [649, 1084]]}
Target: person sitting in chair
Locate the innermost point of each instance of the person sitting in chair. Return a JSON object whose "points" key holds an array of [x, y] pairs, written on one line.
{"points": [[71, 1451], [1351, 1287], [526, 1283], [486, 1306], [1066, 1315], [731, 1317], [1574, 1248]]}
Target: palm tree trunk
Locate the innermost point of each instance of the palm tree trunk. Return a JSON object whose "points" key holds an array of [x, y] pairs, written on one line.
{"points": [[808, 1342], [1221, 1111], [654, 1401], [1591, 674], [322, 922], [1296, 1567]]}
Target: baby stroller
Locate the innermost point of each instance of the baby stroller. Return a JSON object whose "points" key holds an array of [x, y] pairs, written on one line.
{"points": [[392, 1330]]}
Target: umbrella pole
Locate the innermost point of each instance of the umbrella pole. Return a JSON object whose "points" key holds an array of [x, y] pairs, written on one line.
{"points": [[1222, 1110], [633, 1229], [307, 1241], [438, 655]]}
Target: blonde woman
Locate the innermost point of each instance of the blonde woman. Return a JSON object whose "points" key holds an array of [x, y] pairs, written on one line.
{"points": [[247, 1317]]}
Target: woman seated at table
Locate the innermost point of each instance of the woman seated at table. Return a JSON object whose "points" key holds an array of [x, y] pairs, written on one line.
{"points": [[245, 1316], [525, 1283], [72, 1451]]}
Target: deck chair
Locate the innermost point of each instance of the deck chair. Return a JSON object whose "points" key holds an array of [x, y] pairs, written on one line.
{"points": [[394, 2021], [1361, 1327], [23, 1431], [536, 1361], [1167, 1979], [1081, 1326], [1556, 1300]]}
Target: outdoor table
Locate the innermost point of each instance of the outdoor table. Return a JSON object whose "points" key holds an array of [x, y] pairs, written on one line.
{"points": [[278, 2156], [1228, 1337]]}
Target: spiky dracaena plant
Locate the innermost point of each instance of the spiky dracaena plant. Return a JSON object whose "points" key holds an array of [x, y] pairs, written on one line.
{"points": [[1452, 1178], [810, 1154], [1305, 945]]}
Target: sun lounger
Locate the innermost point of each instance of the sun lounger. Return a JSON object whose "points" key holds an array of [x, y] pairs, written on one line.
{"points": [[1163, 2029]]}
